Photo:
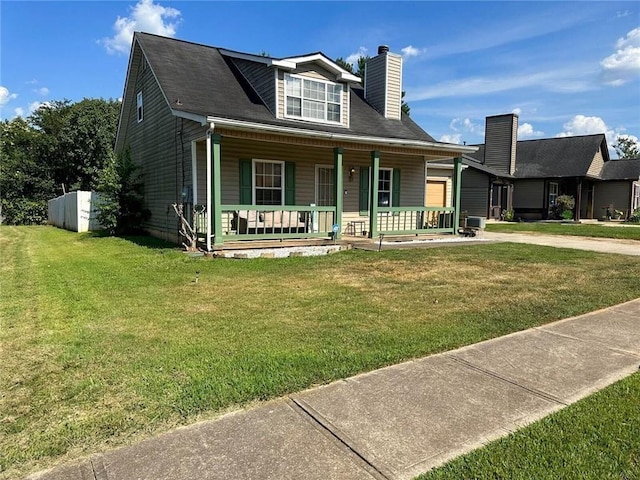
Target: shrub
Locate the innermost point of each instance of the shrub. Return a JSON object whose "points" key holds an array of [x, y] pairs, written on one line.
{"points": [[567, 215], [635, 216], [121, 209], [563, 204], [507, 215]]}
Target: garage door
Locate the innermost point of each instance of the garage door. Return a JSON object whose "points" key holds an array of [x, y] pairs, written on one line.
{"points": [[436, 195]]}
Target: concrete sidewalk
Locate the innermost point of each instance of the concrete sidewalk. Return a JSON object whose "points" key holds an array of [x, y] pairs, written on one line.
{"points": [[603, 245], [397, 422]]}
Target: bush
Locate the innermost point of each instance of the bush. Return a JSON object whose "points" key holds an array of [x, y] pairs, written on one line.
{"points": [[507, 215], [564, 204], [635, 216], [121, 209]]}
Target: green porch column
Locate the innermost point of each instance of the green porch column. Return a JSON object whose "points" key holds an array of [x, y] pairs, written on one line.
{"points": [[337, 169], [457, 181], [216, 189], [373, 194]]}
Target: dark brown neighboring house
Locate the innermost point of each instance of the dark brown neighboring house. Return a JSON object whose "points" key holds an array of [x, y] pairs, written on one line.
{"points": [[527, 176], [276, 148]]}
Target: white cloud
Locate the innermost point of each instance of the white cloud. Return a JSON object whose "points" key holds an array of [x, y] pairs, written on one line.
{"points": [[621, 66], [572, 79], [582, 125], [526, 130], [44, 91], [6, 96], [622, 14], [145, 16], [451, 138], [465, 125], [19, 112], [353, 58], [411, 51], [517, 111]]}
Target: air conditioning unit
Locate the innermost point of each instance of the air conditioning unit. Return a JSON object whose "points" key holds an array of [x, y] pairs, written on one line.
{"points": [[477, 222]]}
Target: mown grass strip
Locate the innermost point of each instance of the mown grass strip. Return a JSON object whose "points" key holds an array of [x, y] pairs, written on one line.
{"points": [[624, 232], [107, 340], [593, 439]]}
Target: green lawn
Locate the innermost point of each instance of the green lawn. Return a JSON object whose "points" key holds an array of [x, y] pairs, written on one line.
{"points": [[104, 341], [597, 438], [631, 232]]}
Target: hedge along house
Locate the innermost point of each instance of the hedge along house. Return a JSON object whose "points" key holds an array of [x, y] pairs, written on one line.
{"points": [[267, 148], [527, 176]]}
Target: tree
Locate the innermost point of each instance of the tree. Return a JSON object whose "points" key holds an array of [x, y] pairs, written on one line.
{"points": [[78, 139], [627, 146], [360, 63], [61, 143], [25, 183]]}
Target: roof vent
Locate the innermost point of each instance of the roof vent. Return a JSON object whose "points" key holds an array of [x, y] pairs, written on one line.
{"points": [[383, 49]]}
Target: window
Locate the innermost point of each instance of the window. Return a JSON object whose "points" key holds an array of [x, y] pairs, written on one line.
{"points": [[268, 181], [325, 186], [312, 99], [553, 194], [139, 106], [384, 187], [636, 195]]}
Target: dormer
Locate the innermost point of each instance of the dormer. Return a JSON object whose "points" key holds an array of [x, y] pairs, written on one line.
{"points": [[310, 88]]}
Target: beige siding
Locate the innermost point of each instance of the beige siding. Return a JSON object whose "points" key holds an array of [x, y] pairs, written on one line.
{"points": [[383, 84], [163, 154], [528, 194], [596, 165], [394, 86], [376, 75], [315, 72]]}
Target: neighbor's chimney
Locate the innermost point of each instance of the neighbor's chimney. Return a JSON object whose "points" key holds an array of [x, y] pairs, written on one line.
{"points": [[383, 82], [500, 140]]}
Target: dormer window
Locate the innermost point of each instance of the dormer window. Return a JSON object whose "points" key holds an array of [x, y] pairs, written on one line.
{"points": [[315, 100]]}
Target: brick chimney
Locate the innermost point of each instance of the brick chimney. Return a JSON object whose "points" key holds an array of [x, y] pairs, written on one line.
{"points": [[500, 140], [383, 82]]}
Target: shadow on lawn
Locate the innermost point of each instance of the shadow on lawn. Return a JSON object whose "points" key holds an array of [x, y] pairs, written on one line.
{"points": [[140, 239]]}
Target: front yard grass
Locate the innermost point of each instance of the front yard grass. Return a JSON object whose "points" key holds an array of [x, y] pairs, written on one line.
{"points": [[104, 341], [630, 232], [594, 439]]}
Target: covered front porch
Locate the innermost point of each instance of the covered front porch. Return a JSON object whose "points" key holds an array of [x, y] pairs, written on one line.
{"points": [[248, 188]]}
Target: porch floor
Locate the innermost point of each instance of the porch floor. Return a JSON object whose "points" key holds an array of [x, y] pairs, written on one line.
{"points": [[310, 247]]}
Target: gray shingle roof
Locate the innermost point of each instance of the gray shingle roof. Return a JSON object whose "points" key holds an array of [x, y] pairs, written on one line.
{"points": [[554, 157], [625, 169], [208, 83]]}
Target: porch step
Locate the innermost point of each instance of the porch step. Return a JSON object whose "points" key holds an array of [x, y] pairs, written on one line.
{"points": [[261, 244]]}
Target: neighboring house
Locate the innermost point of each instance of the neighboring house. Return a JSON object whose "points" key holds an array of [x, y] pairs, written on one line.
{"points": [[274, 148], [527, 176]]}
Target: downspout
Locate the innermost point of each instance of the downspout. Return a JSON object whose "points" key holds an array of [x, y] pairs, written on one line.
{"points": [[209, 133]]}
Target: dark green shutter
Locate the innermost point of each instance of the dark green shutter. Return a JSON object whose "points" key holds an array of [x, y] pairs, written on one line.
{"points": [[364, 190], [245, 182], [395, 200], [289, 183]]}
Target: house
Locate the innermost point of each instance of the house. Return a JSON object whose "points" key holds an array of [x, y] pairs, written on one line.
{"points": [[277, 148], [527, 176]]}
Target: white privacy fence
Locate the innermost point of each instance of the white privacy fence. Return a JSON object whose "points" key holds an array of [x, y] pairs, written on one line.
{"points": [[75, 211]]}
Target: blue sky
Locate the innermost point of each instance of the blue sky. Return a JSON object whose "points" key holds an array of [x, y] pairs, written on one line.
{"points": [[567, 68]]}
